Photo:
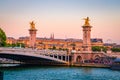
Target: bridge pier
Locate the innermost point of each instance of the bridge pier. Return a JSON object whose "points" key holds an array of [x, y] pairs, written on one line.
{"points": [[68, 58], [65, 58], [57, 56], [61, 57]]}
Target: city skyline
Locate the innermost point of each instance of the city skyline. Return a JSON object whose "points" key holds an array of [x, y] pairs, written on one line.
{"points": [[61, 17]]}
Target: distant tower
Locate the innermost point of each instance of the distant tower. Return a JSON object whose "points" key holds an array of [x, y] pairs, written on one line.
{"points": [[86, 35], [52, 36], [32, 32]]}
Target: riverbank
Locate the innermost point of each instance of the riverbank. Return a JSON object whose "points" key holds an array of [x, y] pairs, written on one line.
{"points": [[72, 65], [91, 65]]}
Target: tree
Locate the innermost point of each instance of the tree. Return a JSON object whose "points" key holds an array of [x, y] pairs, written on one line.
{"points": [[16, 45], [60, 49], [99, 48], [96, 48], [2, 38], [20, 45], [73, 44], [54, 48], [8, 45], [115, 49], [104, 49]]}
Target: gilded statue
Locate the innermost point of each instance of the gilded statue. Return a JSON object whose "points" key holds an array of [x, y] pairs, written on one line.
{"points": [[87, 21], [32, 25]]}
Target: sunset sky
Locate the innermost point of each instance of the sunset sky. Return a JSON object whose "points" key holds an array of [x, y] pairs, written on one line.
{"points": [[61, 17]]}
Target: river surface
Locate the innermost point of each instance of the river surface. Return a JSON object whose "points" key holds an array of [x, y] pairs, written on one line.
{"points": [[58, 73]]}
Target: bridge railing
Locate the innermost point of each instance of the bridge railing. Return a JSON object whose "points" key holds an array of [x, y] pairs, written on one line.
{"points": [[34, 51]]}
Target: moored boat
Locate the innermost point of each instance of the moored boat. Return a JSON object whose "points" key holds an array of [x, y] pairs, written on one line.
{"points": [[116, 64]]}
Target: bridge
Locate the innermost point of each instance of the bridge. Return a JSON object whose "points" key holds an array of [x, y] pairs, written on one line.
{"points": [[29, 56], [53, 57]]}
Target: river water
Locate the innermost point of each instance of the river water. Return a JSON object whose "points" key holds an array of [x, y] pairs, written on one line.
{"points": [[58, 73]]}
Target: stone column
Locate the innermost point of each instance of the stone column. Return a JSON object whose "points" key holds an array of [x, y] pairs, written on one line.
{"points": [[68, 58], [86, 35], [61, 57], [32, 38]]}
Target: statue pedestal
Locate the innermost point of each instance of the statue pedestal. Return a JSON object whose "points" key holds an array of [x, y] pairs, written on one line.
{"points": [[32, 38]]}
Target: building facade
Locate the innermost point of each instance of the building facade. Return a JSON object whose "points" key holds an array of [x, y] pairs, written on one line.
{"points": [[61, 44], [48, 43]]}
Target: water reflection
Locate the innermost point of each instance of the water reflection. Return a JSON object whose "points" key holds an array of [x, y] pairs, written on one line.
{"points": [[87, 70], [1, 75], [9, 65]]}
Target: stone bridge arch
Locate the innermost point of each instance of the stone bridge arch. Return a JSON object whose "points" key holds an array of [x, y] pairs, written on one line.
{"points": [[79, 58], [97, 56], [29, 58]]}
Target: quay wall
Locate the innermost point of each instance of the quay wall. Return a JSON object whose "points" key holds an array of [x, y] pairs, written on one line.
{"points": [[91, 65]]}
